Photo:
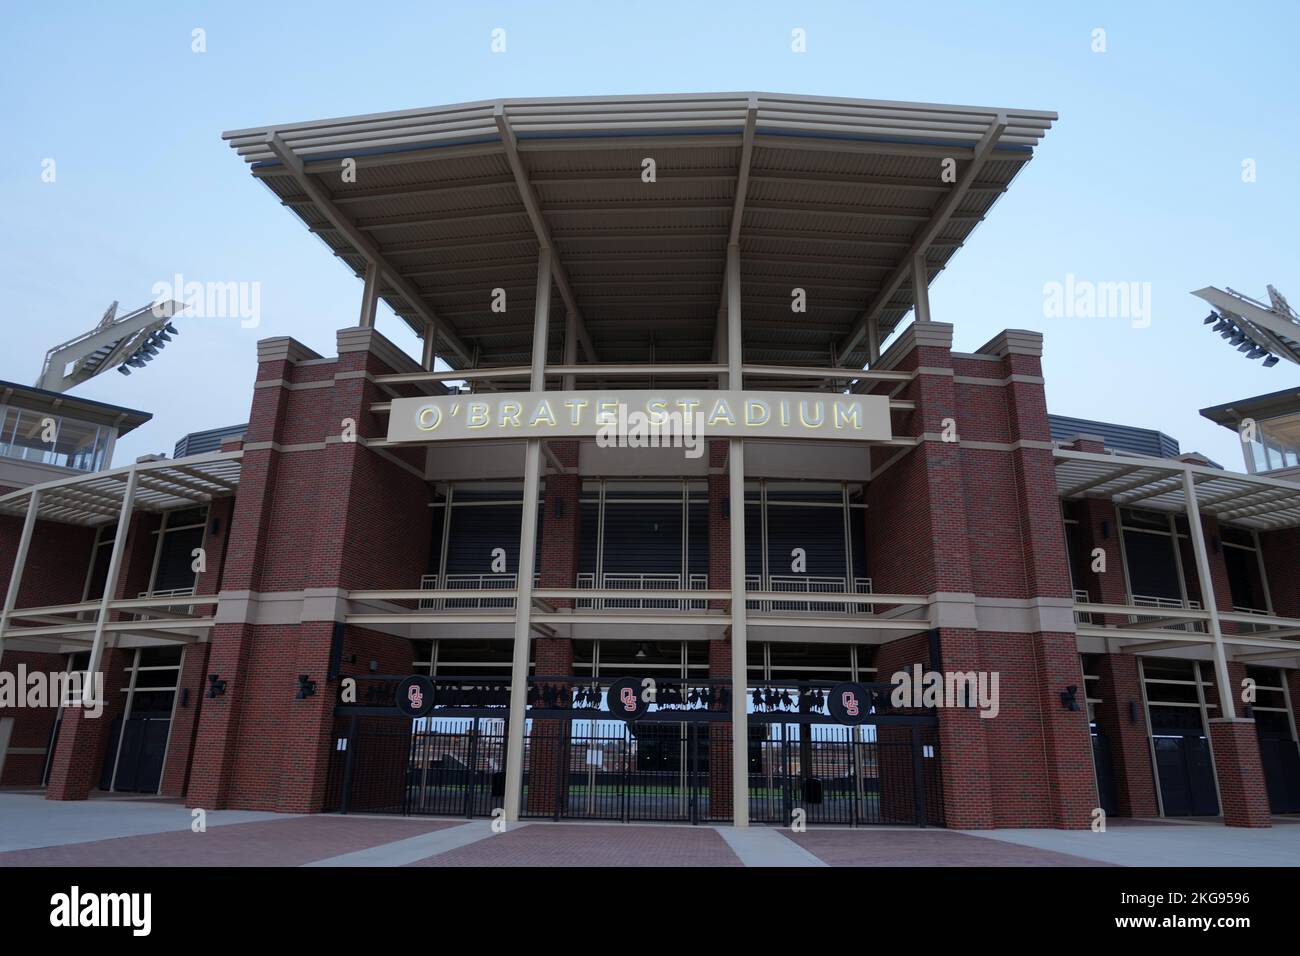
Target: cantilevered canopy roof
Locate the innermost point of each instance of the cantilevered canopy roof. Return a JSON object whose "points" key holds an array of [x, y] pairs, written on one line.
{"points": [[833, 196], [1251, 501], [162, 485]]}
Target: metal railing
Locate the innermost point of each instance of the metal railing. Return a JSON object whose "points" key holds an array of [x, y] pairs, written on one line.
{"points": [[808, 584], [1081, 596], [1146, 600], [642, 582], [469, 582], [1243, 627], [170, 608]]}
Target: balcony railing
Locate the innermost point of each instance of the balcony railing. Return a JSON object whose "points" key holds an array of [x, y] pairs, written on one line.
{"points": [[1146, 600], [469, 582], [1081, 596], [642, 582], [170, 608], [1245, 628], [808, 584]]}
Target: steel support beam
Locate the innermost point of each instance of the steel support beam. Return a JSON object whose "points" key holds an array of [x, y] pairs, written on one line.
{"points": [[369, 296], [517, 726], [429, 349], [928, 233], [920, 288], [363, 243], [736, 518], [20, 562], [1227, 694], [110, 585], [543, 232]]}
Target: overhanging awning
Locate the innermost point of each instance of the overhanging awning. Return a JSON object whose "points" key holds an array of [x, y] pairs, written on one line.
{"points": [[837, 197], [1251, 501], [96, 498]]}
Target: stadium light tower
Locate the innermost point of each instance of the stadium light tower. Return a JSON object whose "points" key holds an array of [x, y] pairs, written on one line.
{"points": [[1270, 332], [122, 343]]}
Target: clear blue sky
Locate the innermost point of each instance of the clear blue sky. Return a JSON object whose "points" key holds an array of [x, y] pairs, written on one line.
{"points": [[1139, 181]]}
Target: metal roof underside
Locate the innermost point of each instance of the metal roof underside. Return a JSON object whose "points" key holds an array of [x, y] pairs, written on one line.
{"points": [[96, 499], [1249, 501], [837, 195]]}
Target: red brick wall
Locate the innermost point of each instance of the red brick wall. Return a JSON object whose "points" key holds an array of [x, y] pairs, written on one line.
{"points": [[1119, 716], [1281, 552], [338, 516], [1242, 792], [32, 725]]}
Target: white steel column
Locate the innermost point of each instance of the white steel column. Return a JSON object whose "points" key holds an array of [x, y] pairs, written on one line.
{"points": [[736, 518], [110, 585], [920, 288], [571, 326], [20, 562], [369, 296], [1227, 704], [430, 340], [516, 730]]}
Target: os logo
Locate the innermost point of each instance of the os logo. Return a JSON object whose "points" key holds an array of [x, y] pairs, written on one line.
{"points": [[414, 696], [625, 699], [850, 703]]}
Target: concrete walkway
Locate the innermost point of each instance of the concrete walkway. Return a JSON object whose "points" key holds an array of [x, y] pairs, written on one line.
{"points": [[760, 846], [417, 848], [1206, 845], [144, 832], [28, 820]]}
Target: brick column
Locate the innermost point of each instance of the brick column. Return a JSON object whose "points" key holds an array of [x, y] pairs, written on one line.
{"points": [[1130, 749], [1242, 793], [1071, 775], [81, 750], [185, 720], [547, 766], [919, 542], [245, 565]]}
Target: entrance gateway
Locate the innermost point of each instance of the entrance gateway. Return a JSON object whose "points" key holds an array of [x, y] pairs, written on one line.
{"points": [[636, 749]]}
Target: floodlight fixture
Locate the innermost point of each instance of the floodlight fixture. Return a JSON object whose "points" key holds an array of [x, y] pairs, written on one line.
{"points": [[115, 341]]}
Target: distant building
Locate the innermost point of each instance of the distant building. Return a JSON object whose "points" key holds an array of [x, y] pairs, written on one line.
{"points": [[200, 443], [1272, 447], [1138, 441], [48, 435]]}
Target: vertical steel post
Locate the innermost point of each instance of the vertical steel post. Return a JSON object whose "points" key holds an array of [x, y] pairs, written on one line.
{"points": [[527, 546], [110, 587], [1227, 705], [20, 562], [739, 637], [369, 296]]}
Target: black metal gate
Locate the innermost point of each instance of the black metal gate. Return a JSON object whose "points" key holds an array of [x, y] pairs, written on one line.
{"points": [[1186, 774], [672, 764], [1281, 762]]}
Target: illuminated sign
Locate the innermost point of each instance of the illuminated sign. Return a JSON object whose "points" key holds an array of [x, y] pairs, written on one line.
{"points": [[668, 418]]}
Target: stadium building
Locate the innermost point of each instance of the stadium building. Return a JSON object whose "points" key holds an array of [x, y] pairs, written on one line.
{"points": [[673, 494]]}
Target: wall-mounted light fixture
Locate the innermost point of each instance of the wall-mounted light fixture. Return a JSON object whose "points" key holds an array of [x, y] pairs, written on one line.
{"points": [[215, 528], [216, 686], [1217, 543], [1105, 531], [306, 687], [185, 696], [1132, 712], [559, 507], [1069, 699]]}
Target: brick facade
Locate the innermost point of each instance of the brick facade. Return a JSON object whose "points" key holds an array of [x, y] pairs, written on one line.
{"points": [[969, 518]]}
